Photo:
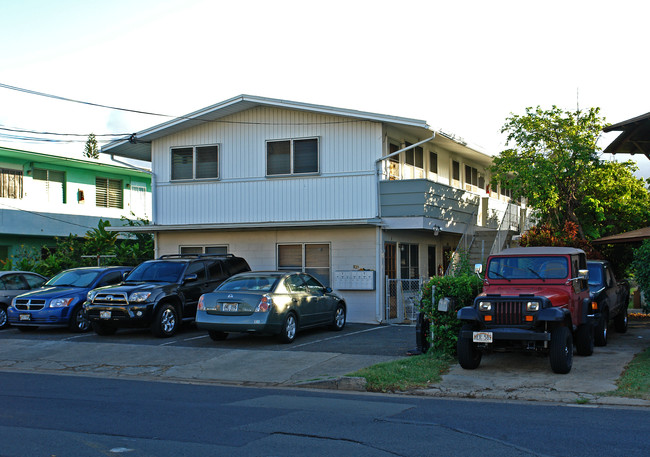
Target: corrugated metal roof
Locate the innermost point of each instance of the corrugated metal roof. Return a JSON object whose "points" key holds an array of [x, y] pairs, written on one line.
{"points": [[138, 146]]}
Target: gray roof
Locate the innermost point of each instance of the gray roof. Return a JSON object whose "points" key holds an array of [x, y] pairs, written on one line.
{"points": [[138, 146]]}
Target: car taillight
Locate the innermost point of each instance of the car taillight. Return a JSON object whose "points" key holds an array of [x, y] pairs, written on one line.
{"points": [[265, 304], [200, 306]]}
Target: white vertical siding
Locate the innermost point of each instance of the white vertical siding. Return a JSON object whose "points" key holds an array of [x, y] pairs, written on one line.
{"points": [[344, 189]]}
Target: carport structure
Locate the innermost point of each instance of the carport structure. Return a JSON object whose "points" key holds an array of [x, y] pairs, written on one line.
{"points": [[634, 137]]}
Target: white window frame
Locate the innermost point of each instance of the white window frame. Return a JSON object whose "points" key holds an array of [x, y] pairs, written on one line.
{"points": [[291, 156], [194, 162], [55, 191], [304, 268]]}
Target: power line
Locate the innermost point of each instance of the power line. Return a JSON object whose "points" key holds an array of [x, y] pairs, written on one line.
{"points": [[57, 97], [60, 134]]}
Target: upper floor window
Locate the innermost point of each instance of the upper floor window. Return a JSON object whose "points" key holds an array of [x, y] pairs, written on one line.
{"points": [[195, 162], [433, 162], [50, 185], [109, 193], [11, 183], [290, 157], [414, 161]]}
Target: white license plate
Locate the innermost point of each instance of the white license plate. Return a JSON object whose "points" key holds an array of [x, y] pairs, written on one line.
{"points": [[482, 337], [104, 314], [25, 317], [230, 307]]}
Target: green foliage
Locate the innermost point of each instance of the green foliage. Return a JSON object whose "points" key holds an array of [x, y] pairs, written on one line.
{"points": [[641, 265], [546, 235], [406, 374], [615, 200], [635, 380], [25, 260], [445, 325], [91, 150], [73, 251], [554, 152]]}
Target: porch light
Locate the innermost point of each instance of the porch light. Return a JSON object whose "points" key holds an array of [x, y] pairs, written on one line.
{"points": [[436, 230]]}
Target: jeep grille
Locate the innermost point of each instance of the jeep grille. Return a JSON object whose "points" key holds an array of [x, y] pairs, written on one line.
{"points": [[508, 312]]}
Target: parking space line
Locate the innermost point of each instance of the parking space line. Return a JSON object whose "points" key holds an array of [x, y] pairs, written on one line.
{"points": [[196, 338], [75, 337], [334, 337]]}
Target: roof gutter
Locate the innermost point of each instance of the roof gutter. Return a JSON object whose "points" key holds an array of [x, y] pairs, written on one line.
{"points": [[396, 153]]}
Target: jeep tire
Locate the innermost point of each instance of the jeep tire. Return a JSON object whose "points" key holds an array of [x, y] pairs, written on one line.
{"points": [[561, 350], [469, 357]]}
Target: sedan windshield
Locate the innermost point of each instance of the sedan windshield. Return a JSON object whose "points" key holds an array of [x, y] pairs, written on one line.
{"points": [[74, 278], [262, 283], [157, 271], [528, 268]]}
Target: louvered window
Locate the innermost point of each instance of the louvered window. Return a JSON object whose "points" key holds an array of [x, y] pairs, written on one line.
{"points": [[50, 184], [197, 162], [109, 193], [11, 183]]}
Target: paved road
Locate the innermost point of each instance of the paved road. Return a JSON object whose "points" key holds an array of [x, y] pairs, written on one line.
{"points": [[76, 416]]}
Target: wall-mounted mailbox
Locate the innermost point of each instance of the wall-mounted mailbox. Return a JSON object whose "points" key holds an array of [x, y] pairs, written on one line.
{"points": [[354, 280]]}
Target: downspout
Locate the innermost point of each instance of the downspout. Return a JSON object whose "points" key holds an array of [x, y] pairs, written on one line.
{"points": [[380, 242], [153, 194]]}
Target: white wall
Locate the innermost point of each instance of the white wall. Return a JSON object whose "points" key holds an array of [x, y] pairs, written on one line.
{"points": [[348, 247], [344, 189]]}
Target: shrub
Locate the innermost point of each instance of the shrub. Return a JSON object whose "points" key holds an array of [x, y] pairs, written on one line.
{"points": [[641, 265], [445, 325]]}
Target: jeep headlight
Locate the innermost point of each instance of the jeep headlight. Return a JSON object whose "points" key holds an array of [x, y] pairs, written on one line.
{"points": [[138, 297], [485, 306], [532, 306]]}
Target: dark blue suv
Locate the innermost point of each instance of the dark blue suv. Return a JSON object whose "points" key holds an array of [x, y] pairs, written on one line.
{"points": [[59, 302]]}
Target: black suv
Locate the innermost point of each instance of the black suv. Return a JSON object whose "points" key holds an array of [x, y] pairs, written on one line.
{"points": [[160, 293]]}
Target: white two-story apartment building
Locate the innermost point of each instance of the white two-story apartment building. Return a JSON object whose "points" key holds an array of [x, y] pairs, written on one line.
{"points": [[354, 198]]}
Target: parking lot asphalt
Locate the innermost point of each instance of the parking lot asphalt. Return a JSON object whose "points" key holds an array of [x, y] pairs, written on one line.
{"points": [[191, 356], [318, 358]]}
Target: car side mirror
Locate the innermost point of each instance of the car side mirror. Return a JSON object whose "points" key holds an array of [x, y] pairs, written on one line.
{"points": [[328, 290], [478, 268], [190, 278], [583, 274]]}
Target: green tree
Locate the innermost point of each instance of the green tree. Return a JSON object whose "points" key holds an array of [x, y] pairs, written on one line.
{"points": [[92, 149], [551, 156], [615, 201]]}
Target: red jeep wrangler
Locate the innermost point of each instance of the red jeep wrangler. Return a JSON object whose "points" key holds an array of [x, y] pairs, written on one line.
{"points": [[534, 299]]}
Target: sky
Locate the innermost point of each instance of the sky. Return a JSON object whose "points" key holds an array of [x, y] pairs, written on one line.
{"points": [[463, 66]]}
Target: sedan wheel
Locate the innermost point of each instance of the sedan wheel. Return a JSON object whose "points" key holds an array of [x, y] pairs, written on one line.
{"points": [[289, 328], [339, 318], [3, 318]]}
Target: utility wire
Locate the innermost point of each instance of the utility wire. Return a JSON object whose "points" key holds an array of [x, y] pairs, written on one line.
{"points": [[57, 97]]}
